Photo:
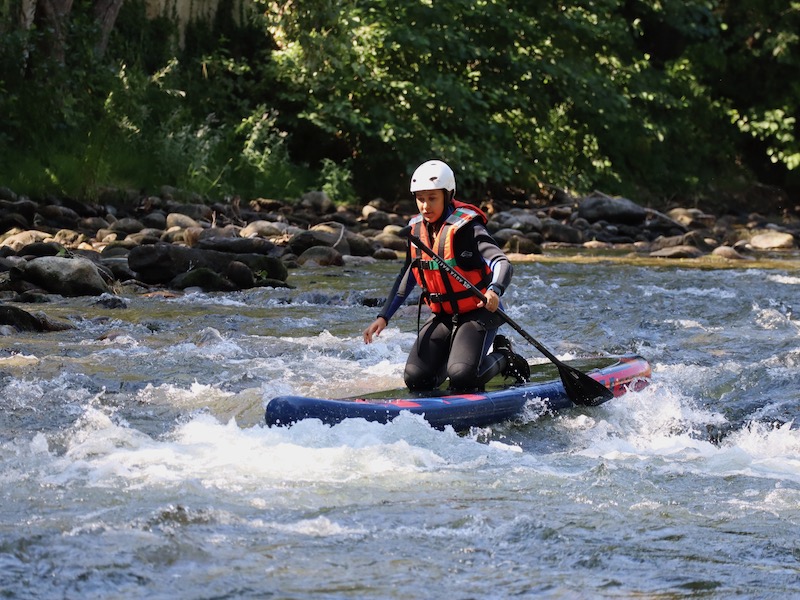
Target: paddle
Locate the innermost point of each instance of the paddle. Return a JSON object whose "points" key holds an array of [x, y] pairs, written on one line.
{"points": [[580, 388]]}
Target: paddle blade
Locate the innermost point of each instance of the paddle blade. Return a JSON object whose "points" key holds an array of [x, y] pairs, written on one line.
{"points": [[581, 388]]}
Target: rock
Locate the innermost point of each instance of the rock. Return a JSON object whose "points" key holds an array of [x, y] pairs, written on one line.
{"points": [[678, 252], [359, 245], [203, 278], [16, 213], [693, 238], [111, 301], [161, 263], [597, 245], [772, 240], [520, 244], [662, 224], [196, 212], [11, 220], [23, 238], [519, 219], [69, 238], [391, 241], [145, 236], [378, 219], [64, 276], [126, 226], [384, 254], [318, 202], [58, 216], [180, 220], [264, 229], [501, 236], [155, 220], [729, 253], [37, 249], [614, 210], [254, 245], [240, 275], [325, 234], [118, 267], [553, 231], [24, 321], [323, 256], [692, 218]]}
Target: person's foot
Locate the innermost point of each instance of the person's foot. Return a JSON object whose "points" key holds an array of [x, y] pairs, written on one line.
{"points": [[516, 366]]}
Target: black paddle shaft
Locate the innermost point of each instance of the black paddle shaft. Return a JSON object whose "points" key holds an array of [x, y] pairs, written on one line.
{"points": [[580, 388]]}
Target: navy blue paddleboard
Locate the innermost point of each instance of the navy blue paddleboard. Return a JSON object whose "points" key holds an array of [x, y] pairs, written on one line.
{"points": [[460, 411]]}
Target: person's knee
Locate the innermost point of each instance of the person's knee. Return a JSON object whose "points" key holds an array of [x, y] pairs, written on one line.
{"points": [[462, 376], [417, 379]]}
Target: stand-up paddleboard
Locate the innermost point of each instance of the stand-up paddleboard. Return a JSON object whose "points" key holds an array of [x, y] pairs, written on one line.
{"points": [[460, 411]]}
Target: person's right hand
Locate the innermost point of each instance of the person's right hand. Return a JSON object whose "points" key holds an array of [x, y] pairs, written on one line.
{"points": [[375, 328]]}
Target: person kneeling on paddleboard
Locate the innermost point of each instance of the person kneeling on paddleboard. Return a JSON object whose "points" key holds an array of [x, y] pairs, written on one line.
{"points": [[455, 341]]}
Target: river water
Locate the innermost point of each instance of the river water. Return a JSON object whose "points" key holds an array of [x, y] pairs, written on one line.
{"points": [[135, 462]]}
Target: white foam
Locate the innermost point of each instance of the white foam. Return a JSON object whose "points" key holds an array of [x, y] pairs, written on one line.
{"points": [[785, 279]]}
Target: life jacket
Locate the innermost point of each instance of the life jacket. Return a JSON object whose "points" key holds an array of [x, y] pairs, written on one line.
{"points": [[440, 290]]}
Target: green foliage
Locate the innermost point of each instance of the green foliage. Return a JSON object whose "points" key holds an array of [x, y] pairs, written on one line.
{"points": [[762, 46], [512, 93], [337, 182], [652, 99]]}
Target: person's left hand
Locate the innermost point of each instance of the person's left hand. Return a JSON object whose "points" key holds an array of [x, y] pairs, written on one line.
{"points": [[492, 301]]}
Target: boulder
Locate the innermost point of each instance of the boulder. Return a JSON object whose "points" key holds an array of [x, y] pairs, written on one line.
{"points": [[517, 219], [384, 254], [773, 240], [392, 241], [241, 275], [317, 201], [678, 252], [58, 216], [204, 278], [519, 244], [37, 249], [264, 229], [729, 253], [177, 219], [64, 276], [328, 234], [615, 210], [323, 256], [692, 218], [553, 231], [126, 226], [161, 263], [23, 238], [236, 245], [24, 321]]}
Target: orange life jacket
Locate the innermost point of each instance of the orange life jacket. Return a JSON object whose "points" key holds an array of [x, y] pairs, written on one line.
{"points": [[440, 290]]}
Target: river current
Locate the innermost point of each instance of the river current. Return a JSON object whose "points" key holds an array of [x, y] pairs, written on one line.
{"points": [[135, 463]]}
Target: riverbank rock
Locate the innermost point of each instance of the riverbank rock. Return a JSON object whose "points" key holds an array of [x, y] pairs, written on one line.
{"points": [[64, 276], [20, 320], [773, 240], [175, 240], [600, 207], [161, 263]]}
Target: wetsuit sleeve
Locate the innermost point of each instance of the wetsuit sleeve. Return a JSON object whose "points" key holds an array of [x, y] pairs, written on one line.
{"points": [[494, 257], [403, 286]]}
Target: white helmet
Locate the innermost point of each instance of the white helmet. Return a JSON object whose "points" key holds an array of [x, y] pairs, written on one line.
{"points": [[434, 175]]}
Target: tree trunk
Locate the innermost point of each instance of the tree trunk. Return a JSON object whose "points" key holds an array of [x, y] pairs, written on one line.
{"points": [[27, 12], [105, 11], [56, 17]]}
